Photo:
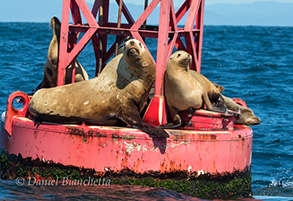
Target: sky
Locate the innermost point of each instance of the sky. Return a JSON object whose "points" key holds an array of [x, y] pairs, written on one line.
{"points": [[210, 2], [237, 12]]}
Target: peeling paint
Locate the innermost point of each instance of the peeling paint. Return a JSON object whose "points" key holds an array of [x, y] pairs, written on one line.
{"points": [[172, 145], [133, 146]]}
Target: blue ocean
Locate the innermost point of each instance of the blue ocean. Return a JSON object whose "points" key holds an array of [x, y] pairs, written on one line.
{"points": [[252, 63]]}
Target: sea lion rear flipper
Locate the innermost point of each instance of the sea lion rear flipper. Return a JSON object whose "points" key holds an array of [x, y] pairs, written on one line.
{"points": [[133, 119], [209, 105], [175, 118]]}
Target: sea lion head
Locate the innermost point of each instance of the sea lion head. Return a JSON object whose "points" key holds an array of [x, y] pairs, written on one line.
{"points": [[134, 51], [181, 58], [247, 117], [51, 65], [137, 58]]}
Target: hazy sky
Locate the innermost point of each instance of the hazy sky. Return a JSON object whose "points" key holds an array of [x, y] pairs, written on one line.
{"points": [[271, 13], [242, 1], [208, 2]]}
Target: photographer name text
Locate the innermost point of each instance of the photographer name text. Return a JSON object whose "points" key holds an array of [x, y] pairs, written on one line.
{"points": [[65, 181]]}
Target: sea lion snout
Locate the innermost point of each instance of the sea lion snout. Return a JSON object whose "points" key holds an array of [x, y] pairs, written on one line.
{"points": [[182, 58], [133, 49], [133, 52]]}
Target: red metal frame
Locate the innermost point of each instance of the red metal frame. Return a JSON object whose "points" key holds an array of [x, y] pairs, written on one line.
{"points": [[169, 35]]}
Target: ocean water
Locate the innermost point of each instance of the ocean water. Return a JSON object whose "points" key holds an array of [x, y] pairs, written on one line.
{"points": [[252, 63]]}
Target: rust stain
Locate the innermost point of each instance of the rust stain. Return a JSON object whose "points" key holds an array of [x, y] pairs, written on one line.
{"points": [[124, 161], [81, 132], [162, 166], [207, 136], [172, 166], [125, 137], [35, 134]]}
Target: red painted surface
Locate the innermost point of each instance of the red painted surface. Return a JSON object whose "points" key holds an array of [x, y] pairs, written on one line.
{"points": [[115, 148], [207, 121], [12, 112], [239, 101]]}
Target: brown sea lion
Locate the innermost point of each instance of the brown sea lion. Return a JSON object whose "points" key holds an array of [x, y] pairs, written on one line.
{"points": [[116, 96], [51, 65], [246, 116], [185, 89]]}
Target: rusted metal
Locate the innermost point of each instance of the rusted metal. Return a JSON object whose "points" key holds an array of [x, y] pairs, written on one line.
{"points": [[146, 3], [118, 26]]}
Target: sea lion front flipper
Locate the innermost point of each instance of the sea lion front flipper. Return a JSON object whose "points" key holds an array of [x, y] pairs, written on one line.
{"points": [[133, 119]]}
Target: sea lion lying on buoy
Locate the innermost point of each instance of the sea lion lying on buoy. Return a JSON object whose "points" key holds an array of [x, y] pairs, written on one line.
{"points": [[185, 89], [51, 65], [246, 115], [116, 96]]}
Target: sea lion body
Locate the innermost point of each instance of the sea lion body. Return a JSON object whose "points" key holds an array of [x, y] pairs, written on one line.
{"points": [[246, 116], [116, 96], [185, 89], [51, 65]]}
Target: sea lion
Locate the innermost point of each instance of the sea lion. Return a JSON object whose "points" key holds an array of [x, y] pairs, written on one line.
{"points": [[51, 65], [246, 115], [116, 96], [184, 89]]}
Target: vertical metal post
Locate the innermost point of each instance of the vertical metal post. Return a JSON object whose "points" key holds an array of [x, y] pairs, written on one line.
{"points": [[63, 43], [101, 22], [156, 114], [200, 26], [146, 3], [118, 26]]}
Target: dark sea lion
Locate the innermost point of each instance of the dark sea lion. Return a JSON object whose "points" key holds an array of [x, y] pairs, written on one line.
{"points": [[246, 116], [185, 88], [51, 65], [116, 96]]}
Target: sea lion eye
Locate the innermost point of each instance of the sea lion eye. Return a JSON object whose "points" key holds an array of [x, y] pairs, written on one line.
{"points": [[140, 45], [178, 55]]}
